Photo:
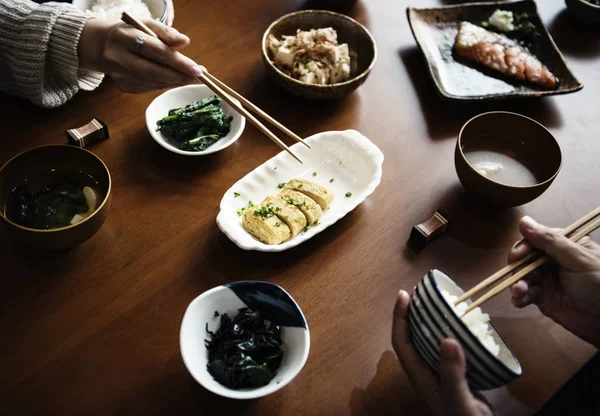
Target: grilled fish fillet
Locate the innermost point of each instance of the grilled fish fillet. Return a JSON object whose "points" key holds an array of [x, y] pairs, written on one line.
{"points": [[502, 54], [268, 229], [311, 210], [313, 190], [288, 214]]}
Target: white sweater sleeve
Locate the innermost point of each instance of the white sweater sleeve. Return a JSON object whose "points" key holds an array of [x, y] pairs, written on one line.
{"points": [[38, 52]]}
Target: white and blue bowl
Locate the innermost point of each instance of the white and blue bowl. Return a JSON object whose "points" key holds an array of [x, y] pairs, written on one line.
{"points": [[432, 320], [269, 299]]}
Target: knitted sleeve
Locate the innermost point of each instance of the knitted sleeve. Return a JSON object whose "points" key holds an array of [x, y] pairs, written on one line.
{"points": [[38, 52]]}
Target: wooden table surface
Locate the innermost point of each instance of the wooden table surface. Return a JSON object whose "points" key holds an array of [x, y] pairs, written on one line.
{"points": [[96, 330]]}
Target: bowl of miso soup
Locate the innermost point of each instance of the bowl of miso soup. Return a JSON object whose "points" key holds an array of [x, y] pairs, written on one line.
{"points": [[54, 197], [506, 159]]}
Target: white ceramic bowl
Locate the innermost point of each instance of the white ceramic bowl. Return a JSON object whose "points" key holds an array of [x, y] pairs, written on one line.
{"points": [[432, 320], [158, 8], [180, 97], [277, 306]]}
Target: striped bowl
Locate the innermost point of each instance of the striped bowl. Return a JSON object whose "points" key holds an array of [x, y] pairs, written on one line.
{"points": [[432, 320]]}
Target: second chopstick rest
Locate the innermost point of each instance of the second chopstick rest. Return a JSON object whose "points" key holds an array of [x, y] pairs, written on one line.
{"points": [[95, 131], [423, 233]]}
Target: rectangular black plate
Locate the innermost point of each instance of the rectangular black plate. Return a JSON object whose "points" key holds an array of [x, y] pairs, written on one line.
{"points": [[435, 30]]}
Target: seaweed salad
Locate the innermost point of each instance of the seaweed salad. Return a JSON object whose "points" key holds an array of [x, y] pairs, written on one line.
{"points": [[245, 351], [53, 199], [196, 126]]}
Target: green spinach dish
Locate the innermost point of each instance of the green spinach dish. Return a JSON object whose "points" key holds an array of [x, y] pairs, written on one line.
{"points": [[196, 126]]}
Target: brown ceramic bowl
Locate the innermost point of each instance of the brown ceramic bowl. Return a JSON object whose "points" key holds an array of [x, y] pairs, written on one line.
{"points": [[45, 158], [584, 11], [515, 138], [349, 31], [336, 4]]}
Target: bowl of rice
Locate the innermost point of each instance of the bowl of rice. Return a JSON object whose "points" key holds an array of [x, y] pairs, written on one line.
{"points": [[434, 317], [113, 9]]}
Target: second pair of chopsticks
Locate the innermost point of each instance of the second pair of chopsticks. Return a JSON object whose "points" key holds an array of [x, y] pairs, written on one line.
{"points": [[534, 260], [226, 93]]}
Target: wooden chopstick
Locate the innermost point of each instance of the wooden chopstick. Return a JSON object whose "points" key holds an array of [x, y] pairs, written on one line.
{"points": [[256, 109], [127, 18], [530, 257], [529, 268], [130, 20], [246, 114]]}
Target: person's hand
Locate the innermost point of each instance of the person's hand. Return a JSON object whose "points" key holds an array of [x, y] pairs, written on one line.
{"points": [[448, 395], [568, 290], [110, 47]]}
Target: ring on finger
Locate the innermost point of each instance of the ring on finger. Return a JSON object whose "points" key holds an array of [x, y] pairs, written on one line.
{"points": [[139, 42]]}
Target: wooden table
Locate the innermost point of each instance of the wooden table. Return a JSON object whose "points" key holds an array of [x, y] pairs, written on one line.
{"points": [[96, 330]]}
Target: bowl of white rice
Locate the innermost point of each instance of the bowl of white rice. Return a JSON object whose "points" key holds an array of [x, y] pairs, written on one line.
{"points": [[433, 317], [113, 9]]}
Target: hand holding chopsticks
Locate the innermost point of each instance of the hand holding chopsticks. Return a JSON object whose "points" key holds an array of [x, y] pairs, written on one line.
{"points": [[526, 265], [226, 95]]}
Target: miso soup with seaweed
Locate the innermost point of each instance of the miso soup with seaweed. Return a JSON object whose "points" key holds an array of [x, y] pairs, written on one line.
{"points": [[53, 199]]}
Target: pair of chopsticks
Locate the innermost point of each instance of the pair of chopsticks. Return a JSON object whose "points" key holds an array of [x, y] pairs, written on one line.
{"points": [[528, 263], [226, 93]]}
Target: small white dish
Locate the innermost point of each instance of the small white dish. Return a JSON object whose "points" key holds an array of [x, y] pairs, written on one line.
{"points": [[180, 97], [273, 302], [158, 8], [349, 158]]}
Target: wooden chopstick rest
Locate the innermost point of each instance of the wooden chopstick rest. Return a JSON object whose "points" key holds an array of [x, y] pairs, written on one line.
{"points": [[422, 234], [95, 131]]}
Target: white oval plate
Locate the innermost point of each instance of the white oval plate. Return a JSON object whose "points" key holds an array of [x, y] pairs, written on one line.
{"points": [[180, 97], [347, 157]]}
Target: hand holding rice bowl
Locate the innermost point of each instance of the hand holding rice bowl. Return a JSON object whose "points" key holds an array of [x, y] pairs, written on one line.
{"points": [[433, 318]]}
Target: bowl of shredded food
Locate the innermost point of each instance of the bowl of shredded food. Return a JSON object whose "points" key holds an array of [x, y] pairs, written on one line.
{"points": [[318, 54]]}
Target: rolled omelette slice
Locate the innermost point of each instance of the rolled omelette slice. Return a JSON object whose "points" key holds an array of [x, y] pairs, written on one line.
{"points": [[264, 225], [288, 214], [313, 190], [311, 210]]}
